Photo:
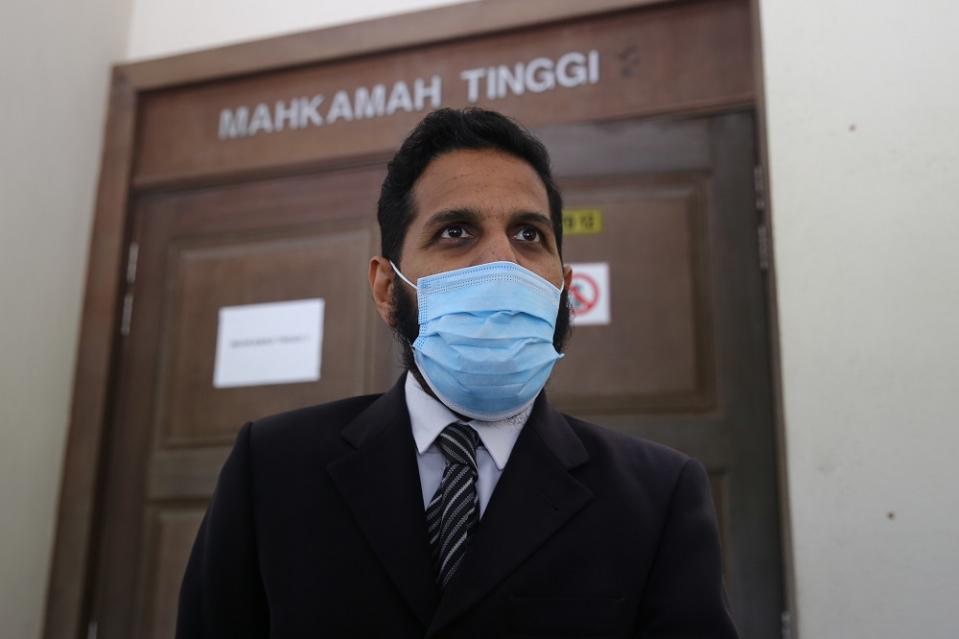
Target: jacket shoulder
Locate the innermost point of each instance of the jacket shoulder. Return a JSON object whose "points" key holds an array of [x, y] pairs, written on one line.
{"points": [[631, 458], [607, 441], [307, 427]]}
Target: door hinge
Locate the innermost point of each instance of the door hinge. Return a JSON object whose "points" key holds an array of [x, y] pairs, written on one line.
{"points": [[762, 234], [127, 316], [787, 624], [762, 229], [759, 186], [132, 255]]}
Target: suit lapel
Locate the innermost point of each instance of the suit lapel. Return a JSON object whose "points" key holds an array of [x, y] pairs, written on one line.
{"points": [[534, 497], [380, 483]]}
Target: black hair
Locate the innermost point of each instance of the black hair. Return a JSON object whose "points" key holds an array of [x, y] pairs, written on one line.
{"points": [[447, 130]]}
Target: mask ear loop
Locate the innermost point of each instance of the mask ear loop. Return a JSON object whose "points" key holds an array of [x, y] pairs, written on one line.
{"points": [[403, 277]]}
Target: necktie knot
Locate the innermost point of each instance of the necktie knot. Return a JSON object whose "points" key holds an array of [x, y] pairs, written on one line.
{"points": [[458, 444]]}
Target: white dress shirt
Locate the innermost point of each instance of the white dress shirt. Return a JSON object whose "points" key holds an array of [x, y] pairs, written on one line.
{"points": [[429, 417]]}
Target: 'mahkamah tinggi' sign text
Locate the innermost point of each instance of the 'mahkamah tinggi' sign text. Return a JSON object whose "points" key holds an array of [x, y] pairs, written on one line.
{"points": [[538, 75]]}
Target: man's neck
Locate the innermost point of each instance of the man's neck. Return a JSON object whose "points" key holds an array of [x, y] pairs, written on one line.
{"points": [[415, 371]]}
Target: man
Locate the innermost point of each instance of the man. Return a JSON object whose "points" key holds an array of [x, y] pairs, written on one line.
{"points": [[459, 503]]}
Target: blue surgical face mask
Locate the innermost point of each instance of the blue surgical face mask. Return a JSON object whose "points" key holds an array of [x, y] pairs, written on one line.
{"points": [[485, 345]]}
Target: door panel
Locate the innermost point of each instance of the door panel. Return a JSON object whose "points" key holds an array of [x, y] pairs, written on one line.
{"points": [[253, 270], [655, 353], [169, 535]]}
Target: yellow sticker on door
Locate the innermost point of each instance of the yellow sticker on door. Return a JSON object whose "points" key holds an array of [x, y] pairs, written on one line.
{"points": [[582, 221]]}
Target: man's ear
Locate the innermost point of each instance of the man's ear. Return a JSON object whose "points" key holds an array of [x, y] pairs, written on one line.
{"points": [[567, 276], [381, 285]]}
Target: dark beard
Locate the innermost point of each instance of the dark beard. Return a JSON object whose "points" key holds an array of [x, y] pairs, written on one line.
{"points": [[407, 326]]}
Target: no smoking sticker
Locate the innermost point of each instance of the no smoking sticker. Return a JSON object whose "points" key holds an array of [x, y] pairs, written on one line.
{"points": [[589, 293]]}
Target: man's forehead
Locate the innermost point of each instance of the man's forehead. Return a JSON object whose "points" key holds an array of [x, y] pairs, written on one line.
{"points": [[479, 179], [473, 160]]}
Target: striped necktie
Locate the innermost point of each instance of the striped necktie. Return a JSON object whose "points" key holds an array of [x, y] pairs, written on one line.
{"points": [[454, 510]]}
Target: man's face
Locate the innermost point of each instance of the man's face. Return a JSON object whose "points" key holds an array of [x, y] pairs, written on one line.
{"points": [[471, 207]]}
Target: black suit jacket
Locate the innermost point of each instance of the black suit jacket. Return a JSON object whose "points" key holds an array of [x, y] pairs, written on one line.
{"points": [[317, 529]]}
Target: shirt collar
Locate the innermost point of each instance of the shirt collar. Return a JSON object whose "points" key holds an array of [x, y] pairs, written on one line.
{"points": [[429, 416]]}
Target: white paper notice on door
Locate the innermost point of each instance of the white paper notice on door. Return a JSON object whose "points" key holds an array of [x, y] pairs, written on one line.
{"points": [[275, 343]]}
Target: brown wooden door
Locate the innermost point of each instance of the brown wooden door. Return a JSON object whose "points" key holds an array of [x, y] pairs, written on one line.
{"points": [[683, 359], [199, 251]]}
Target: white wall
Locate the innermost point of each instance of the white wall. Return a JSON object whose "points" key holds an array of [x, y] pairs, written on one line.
{"points": [[54, 75], [165, 27], [864, 154]]}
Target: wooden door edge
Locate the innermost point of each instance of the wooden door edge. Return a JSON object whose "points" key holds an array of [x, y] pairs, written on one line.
{"points": [[96, 348], [790, 621]]}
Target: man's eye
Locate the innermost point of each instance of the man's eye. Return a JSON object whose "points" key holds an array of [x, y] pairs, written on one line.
{"points": [[454, 232], [528, 234]]}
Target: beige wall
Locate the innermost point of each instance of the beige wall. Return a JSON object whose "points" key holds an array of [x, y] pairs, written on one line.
{"points": [[862, 101], [165, 27], [54, 73]]}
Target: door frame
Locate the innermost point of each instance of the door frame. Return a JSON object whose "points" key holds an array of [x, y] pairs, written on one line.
{"points": [[70, 589]]}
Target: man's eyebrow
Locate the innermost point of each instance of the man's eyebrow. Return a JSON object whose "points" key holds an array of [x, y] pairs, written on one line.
{"points": [[532, 217], [449, 216]]}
